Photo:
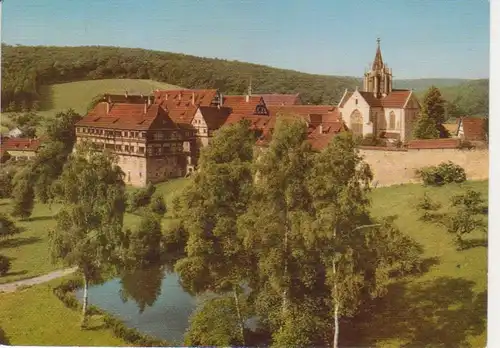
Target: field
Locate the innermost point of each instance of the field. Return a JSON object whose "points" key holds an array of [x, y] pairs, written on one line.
{"points": [[29, 250], [77, 95], [35, 316], [445, 307]]}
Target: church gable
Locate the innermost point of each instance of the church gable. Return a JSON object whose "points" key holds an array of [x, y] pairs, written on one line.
{"points": [[355, 100], [412, 102]]}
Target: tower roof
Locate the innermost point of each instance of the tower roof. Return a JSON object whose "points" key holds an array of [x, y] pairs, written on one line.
{"points": [[378, 63]]}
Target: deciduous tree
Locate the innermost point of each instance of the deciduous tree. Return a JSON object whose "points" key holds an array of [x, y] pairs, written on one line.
{"points": [[88, 233], [23, 195], [215, 259]]}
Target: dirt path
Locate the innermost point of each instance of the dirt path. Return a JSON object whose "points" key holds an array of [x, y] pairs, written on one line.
{"points": [[11, 287]]}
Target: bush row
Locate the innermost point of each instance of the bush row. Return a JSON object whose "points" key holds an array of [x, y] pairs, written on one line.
{"points": [[65, 293]]}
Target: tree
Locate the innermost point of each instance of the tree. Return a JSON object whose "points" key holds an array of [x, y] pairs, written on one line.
{"points": [[466, 215], [143, 244], [142, 285], [88, 233], [425, 127], [434, 105], [215, 258], [357, 253], [142, 197], [273, 225], [7, 227], [214, 323], [23, 196], [158, 205], [62, 128], [4, 265]]}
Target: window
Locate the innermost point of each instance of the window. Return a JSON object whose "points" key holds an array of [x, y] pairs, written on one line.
{"points": [[118, 147], [204, 130], [356, 101], [392, 120], [141, 149], [357, 123], [127, 148]]}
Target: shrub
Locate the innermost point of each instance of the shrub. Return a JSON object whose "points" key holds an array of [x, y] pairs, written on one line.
{"points": [[141, 198], [158, 205], [444, 173], [4, 265]]}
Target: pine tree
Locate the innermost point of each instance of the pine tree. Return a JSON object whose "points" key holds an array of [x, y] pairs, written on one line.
{"points": [[425, 127]]}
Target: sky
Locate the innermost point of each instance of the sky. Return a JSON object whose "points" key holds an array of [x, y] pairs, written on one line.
{"points": [[419, 38]]}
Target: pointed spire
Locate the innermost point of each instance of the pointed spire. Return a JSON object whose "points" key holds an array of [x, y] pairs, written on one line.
{"points": [[378, 63]]}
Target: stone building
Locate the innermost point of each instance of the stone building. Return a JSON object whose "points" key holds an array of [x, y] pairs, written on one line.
{"points": [[379, 109], [150, 147]]}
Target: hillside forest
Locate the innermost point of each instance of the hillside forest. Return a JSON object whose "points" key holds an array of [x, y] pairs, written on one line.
{"points": [[25, 69]]}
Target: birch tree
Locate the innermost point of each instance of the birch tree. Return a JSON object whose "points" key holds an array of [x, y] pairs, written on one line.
{"points": [[89, 224], [273, 225], [215, 259]]}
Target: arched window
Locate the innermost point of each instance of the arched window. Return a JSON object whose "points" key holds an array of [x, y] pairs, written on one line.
{"points": [[392, 120], [357, 123]]}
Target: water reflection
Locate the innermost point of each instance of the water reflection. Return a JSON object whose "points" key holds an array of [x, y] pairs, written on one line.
{"points": [[142, 286], [164, 316]]}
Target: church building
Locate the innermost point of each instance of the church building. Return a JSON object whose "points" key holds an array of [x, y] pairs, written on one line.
{"points": [[379, 109]]}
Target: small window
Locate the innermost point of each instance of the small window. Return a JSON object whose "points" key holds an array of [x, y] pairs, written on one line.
{"points": [[356, 101]]}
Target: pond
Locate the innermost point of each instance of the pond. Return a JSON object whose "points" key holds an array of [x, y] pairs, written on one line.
{"points": [[151, 301]]}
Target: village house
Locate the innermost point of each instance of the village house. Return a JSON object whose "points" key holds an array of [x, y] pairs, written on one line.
{"points": [[379, 109], [19, 148], [471, 128]]}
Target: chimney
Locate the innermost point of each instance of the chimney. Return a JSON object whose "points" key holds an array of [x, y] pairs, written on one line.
{"points": [[126, 94], [149, 100], [247, 98], [145, 108], [221, 99], [166, 96], [321, 129], [192, 98], [107, 107]]}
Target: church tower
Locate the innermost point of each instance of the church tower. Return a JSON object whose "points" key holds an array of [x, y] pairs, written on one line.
{"points": [[379, 79]]}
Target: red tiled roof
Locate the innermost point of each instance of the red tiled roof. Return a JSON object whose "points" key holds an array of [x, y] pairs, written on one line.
{"points": [[434, 144], [184, 97], [182, 115], [473, 128], [281, 99], [24, 144], [126, 116], [214, 116], [240, 105], [396, 99]]}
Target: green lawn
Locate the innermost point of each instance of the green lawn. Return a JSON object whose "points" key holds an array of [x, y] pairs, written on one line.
{"points": [[35, 316], [446, 306], [77, 95], [29, 251]]}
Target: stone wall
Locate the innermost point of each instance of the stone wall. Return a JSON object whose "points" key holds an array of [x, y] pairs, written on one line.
{"points": [[397, 167]]}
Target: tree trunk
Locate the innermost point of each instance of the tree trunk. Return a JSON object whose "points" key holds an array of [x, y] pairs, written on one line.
{"points": [[336, 307], [238, 311], [85, 301], [285, 270]]}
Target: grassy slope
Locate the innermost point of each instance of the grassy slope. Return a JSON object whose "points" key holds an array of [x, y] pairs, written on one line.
{"points": [[34, 316], [78, 95], [443, 307]]}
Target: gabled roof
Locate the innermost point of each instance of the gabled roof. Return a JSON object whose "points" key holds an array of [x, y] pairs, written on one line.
{"points": [[345, 98], [397, 99], [281, 99], [240, 105], [473, 127], [214, 116], [21, 144], [126, 116], [182, 115]]}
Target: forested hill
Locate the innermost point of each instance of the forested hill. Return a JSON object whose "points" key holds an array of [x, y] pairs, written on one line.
{"points": [[26, 68]]}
